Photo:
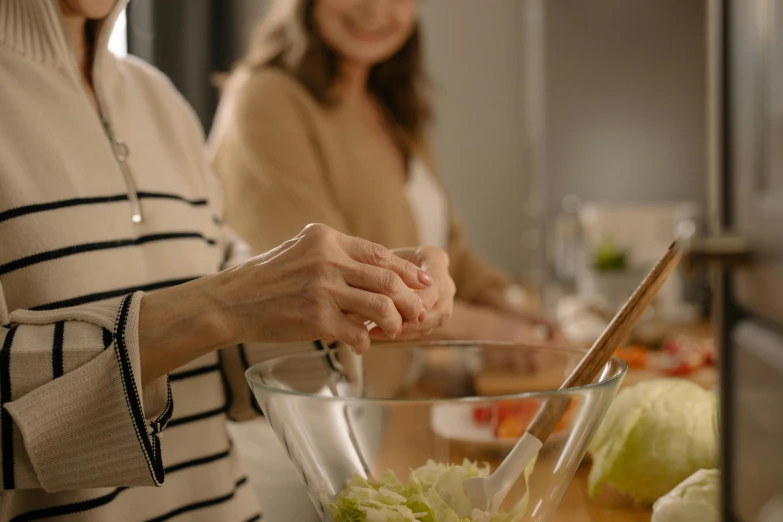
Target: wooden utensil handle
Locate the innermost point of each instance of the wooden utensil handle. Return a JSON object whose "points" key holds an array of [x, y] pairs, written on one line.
{"points": [[595, 359]]}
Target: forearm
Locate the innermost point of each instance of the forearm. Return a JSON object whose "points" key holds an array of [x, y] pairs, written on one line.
{"points": [[513, 300], [472, 322], [469, 321], [497, 298], [180, 324]]}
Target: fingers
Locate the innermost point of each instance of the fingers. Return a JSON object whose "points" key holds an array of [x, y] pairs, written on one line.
{"points": [[366, 282], [431, 259], [376, 334], [546, 328], [352, 332], [438, 301], [379, 256], [387, 283], [559, 338], [429, 297], [378, 308], [538, 319]]}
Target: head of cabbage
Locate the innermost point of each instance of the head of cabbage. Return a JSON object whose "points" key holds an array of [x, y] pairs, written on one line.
{"points": [[696, 499], [655, 435]]}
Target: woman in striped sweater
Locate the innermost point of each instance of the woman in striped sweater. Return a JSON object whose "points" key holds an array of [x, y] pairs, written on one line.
{"points": [[104, 196]]}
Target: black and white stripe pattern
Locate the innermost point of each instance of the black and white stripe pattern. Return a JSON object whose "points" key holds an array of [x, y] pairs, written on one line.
{"points": [[246, 365], [24, 262], [182, 455], [201, 505], [188, 374], [97, 502], [76, 202], [57, 350], [164, 253], [67, 240], [29, 269], [6, 424], [109, 294]]}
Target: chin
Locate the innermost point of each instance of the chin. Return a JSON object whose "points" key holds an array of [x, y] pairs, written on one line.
{"points": [[371, 54], [91, 9]]}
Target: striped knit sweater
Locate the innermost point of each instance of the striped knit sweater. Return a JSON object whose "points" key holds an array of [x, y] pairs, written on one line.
{"points": [[92, 214]]}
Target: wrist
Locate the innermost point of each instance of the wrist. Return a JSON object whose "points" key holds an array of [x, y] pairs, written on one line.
{"points": [[516, 297], [180, 324], [212, 312]]}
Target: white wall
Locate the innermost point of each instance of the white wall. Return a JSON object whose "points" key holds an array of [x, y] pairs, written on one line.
{"points": [[622, 116], [474, 54], [625, 111]]}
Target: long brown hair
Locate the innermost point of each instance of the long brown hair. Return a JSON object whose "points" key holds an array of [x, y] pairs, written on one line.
{"points": [[288, 38]]}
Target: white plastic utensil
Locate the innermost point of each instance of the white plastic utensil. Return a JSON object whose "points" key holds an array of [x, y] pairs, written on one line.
{"points": [[488, 493]]}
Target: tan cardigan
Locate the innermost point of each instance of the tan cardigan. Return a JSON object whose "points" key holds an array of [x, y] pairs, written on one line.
{"points": [[80, 436], [285, 161]]}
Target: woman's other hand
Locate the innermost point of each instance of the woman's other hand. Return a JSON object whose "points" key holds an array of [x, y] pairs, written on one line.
{"points": [[438, 298]]}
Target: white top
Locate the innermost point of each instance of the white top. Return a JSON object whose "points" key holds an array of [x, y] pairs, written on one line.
{"points": [[429, 205]]}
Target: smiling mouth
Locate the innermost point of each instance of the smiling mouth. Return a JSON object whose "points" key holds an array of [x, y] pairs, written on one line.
{"points": [[364, 34]]}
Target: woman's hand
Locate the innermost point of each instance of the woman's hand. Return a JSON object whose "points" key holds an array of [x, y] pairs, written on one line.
{"points": [[320, 284], [481, 323], [438, 298], [512, 301], [323, 284]]}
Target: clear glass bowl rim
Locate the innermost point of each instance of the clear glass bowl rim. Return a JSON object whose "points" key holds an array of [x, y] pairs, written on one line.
{"points": [[618, 363]]}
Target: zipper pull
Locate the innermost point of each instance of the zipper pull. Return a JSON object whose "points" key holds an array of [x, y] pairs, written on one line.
{"points": [[121, 153]]}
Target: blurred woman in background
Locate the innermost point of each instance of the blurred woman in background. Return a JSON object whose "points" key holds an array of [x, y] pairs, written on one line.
{"points": [[326, 120]]}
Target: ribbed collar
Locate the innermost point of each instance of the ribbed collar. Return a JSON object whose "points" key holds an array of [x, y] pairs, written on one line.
{"points": [[35, 30]]}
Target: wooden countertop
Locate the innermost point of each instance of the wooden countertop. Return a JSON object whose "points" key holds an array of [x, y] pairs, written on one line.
{"points": [[577, 506]]}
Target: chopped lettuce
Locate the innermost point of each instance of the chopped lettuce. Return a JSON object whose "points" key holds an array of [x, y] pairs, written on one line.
{"points": [[433, 493]]}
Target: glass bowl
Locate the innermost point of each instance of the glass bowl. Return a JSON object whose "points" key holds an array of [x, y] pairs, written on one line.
{"points": [[338, 415]]}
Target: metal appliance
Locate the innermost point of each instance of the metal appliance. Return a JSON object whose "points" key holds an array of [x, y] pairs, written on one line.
{"points": [[745, 248]]}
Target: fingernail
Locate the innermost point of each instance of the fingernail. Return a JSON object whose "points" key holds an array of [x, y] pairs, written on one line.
{"points": [[422, 316], [425, 278]]}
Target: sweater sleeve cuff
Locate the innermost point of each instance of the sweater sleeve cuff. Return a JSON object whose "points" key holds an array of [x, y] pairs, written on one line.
{"points": [[97, 426]]}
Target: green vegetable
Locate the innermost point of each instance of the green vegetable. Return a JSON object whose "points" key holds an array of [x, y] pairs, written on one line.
{"points": [[434, 493], [609, 258], [653, 437], [695, 499]]}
